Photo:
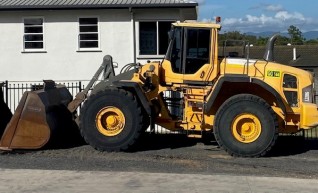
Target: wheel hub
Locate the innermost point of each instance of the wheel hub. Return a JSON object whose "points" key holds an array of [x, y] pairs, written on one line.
{"points": [[110, 121], [246, 128]]}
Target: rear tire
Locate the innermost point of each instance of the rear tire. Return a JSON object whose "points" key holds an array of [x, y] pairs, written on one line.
{"points": [[111, 120], [246, 126]]}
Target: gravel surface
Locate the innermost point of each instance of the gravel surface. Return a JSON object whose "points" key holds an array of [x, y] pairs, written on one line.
{"points": [[292, 157]]}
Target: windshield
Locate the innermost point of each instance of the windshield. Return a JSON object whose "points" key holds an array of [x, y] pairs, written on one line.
{"points": [[175, 48]]}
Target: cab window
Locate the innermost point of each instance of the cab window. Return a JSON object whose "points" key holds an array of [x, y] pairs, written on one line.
{"points": [[189, 49], [197, 49]]}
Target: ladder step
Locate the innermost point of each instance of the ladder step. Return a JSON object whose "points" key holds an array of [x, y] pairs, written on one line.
{"points": [[198, 112]]}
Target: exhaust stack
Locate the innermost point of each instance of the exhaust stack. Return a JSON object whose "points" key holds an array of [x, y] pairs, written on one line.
{"points": [[269, 52]]}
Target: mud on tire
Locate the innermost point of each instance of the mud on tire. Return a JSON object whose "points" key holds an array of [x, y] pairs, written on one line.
{"points": [[126, 109]]}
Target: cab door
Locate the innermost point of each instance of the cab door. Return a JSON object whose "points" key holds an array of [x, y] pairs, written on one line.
{"points": [[189, 57], [197, 55]]}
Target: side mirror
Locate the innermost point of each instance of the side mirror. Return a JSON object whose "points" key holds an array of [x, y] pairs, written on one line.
{"points": [[171, 34]]}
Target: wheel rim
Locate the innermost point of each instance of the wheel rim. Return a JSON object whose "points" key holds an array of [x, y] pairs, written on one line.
{"points": [[110, 121], [246, 128]]}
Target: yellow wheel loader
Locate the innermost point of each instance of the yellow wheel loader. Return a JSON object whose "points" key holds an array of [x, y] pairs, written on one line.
{"points": [[245, 102]]}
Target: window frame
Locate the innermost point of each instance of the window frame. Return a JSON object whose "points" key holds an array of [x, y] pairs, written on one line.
{"points": [[95, 49], [157, 55], [186, 46], [31, 50], [291, 89]]}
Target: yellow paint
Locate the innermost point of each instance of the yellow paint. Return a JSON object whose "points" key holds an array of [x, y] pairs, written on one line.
{"points": [[309, 116], [110, 121], [197, 25], [246, 128]]}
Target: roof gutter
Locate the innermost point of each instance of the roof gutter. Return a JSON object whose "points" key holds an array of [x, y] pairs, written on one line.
{"points": [[113, 6]]}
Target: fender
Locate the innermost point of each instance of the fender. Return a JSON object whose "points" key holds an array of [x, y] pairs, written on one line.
{"points": [[138, 91], [109, 82], [242, 79]]}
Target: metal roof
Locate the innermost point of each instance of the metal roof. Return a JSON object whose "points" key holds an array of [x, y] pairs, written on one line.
{"points": [[91, 4]]}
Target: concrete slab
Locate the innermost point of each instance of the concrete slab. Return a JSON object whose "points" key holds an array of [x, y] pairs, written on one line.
{"points": [[21, 180]]}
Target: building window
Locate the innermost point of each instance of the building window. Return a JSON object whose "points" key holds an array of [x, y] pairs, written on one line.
{"points": [[153, 37], [88, 33], [33, 34]]}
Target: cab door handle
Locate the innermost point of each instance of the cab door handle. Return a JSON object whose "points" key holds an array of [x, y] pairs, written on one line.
{"points": [[202, 74]]}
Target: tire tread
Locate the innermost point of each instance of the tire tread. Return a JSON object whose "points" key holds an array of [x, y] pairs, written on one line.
{"points": [[236, 99], [130, 99]]}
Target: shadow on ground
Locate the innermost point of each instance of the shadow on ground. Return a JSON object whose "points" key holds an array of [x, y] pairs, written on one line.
{"points": [[150, 142], [285, 145], [292, 145]]}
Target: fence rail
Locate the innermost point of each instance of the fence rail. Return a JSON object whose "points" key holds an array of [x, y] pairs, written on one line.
{"points": [[13, 92]]}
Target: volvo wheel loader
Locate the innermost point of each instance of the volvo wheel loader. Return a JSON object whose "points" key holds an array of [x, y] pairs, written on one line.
{"points": [[245, 102]]}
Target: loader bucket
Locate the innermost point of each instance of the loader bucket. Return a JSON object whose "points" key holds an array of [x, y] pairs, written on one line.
{"points": [[38, 115], [5, 113]]}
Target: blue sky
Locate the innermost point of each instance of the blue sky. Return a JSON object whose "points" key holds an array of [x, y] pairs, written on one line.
{"points": [[261, 15]]}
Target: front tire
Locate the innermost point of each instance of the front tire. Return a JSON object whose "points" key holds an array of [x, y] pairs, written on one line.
{"points": [[246, 126], [111, 120]]}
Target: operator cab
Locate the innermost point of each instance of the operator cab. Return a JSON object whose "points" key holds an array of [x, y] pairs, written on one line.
{"points": [[191, 51]]}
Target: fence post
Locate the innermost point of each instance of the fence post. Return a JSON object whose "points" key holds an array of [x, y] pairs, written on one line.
{"points": [[80, 86], [7, 92]]}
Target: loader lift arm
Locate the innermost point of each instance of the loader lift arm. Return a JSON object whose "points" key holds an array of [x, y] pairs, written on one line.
{"points": [[108, 68]]}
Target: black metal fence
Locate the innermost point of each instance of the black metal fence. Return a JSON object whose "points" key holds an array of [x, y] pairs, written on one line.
{"points": [[13, 91]]}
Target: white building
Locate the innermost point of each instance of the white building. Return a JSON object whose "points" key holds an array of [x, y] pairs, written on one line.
{"points": [[67, 39]]}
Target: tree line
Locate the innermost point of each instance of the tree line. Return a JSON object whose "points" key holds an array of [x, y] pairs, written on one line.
{"points": [[295, 37]]}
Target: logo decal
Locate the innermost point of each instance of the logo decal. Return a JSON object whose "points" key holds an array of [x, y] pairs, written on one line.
{"points": [[273, 73]]}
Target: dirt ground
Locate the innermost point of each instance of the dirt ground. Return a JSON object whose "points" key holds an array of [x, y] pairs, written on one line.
{"points": [[292, 157]]}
